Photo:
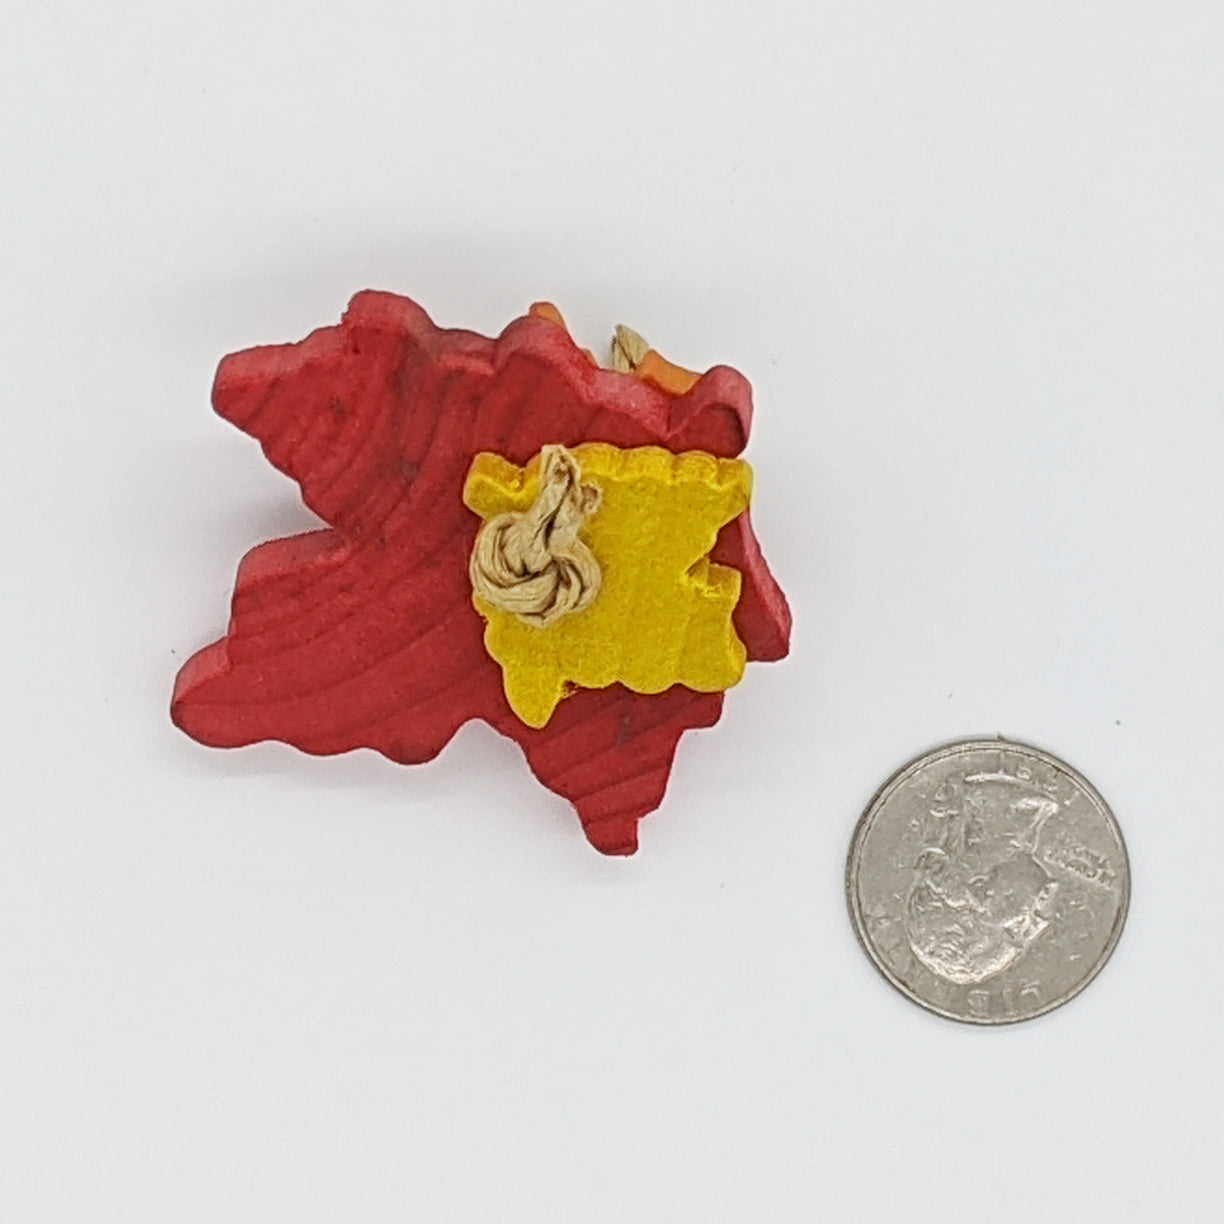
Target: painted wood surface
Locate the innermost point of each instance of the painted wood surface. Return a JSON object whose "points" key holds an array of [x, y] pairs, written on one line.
{"points": [[364, 634]]}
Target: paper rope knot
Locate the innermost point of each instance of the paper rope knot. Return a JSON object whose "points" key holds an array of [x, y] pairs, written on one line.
{"points": [[532, 563]]}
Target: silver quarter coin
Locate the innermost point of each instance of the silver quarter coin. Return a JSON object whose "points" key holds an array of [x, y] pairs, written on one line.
{"points": [[988, 881]]}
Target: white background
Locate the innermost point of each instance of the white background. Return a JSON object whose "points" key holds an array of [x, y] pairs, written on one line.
{"points": [[971, 257]]}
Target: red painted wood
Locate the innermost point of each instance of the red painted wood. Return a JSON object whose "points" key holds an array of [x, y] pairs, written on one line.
{"points": [[364, 634]]}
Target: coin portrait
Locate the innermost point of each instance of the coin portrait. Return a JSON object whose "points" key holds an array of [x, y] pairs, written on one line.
{"points": [[988, 881]]}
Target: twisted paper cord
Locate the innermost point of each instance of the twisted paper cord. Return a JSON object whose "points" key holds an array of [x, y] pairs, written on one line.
{"points": [[532, 563]]}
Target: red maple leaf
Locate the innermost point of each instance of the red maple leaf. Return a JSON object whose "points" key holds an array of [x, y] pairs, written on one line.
{"points": [[364, 634]]}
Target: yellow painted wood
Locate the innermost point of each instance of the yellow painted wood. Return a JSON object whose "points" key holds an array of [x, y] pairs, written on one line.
{"points": [[663, 612]]}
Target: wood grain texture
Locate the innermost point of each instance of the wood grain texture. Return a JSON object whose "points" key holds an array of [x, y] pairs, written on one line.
{"points": [[364, 634]]}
